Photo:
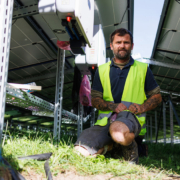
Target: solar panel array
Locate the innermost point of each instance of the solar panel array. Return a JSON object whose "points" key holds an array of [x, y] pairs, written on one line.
{"points": [[32, 56]]}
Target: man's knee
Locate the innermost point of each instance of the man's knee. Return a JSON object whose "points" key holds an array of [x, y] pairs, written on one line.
{"points": [[82, 150], [120, 133]]}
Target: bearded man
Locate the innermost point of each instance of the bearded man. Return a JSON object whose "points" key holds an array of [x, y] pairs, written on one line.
{"points": [[120, 90]]}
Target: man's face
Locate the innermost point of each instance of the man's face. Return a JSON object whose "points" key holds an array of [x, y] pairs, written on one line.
{"points": [[121, 46]]}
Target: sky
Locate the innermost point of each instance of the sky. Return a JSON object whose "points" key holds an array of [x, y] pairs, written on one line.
{"points": [[146, 19]]}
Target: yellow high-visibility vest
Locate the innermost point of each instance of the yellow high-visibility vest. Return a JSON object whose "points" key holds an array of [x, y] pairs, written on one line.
{"points": [[133, 91]]}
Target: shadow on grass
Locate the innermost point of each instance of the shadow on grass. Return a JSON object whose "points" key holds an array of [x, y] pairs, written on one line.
{"points": [[13, 163], [162, 157]]}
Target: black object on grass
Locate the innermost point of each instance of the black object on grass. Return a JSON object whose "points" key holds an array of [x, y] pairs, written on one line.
{"points": [[41, 157]]}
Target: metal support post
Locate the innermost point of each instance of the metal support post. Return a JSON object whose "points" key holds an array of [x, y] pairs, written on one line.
{"points": [[156, 127], [147, 128], [171, 123], [59, 93], [151, 127], [80, 119], [145, 137], [6, 12], [92, 117], [164, 121]]}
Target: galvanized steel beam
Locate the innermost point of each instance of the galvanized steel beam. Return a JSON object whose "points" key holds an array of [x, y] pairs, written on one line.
{"points": [[170, 92], [6, 12], [168, 51], [80, 119], [164, 121], [59, 93], [161, 64], [156, 126], [171, 123], [151, 127], [40, 77], [23, 11]]}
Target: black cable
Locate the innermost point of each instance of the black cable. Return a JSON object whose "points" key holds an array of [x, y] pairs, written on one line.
{"points": [[122, 16], [44, 49], [14, 22], [173, 30], [178, 1]]}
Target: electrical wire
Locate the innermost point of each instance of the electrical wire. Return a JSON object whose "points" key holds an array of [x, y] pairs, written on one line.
{"points": [[14, 22], [178, 1], [44, 49], [173, 30], [122, 16]]}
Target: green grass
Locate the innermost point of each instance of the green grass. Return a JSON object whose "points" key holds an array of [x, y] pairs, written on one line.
{"points": [[161, 160], [163, 157]]}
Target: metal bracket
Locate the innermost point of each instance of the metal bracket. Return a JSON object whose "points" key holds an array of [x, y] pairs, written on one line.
{"points": [[23, 11]]}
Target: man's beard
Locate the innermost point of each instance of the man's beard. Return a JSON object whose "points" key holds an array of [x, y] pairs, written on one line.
{"points": [[124, 56]]}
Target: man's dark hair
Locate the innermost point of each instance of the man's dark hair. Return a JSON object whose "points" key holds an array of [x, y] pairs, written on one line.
{"points": [[121, 32]]}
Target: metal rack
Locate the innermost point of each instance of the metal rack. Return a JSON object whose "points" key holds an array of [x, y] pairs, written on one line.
{"points": [[40, 107]]}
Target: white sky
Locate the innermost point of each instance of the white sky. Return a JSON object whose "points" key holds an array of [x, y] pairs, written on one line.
{"points": [[146, 19]]}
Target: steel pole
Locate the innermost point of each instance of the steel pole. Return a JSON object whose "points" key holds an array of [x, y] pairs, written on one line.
{"points": [[164, 121], [80, 119], [151, 127], [147, 128], [171, 122], [92, 117], [6, 13], [156, 127], [59, 93]]}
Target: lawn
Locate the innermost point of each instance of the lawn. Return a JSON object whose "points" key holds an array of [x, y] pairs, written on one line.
{"points": [[161, 162]]}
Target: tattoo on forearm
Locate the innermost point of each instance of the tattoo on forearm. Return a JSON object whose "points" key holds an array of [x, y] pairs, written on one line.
{"points": [[102, 105], [152, 102]]}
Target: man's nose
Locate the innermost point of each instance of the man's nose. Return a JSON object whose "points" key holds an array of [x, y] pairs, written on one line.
{"points": [[122, 45]]}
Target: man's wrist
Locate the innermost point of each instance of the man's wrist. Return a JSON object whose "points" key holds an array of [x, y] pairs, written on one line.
{"points": [[112, 106], [142, 107]]}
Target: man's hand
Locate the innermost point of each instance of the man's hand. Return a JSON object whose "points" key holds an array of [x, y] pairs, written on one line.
{"points": [[120, 107], [150, 104], [136, 109], [102, 105]]}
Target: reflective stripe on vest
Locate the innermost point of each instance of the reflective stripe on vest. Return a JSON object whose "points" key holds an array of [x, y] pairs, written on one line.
{"points": [[133, 90]]}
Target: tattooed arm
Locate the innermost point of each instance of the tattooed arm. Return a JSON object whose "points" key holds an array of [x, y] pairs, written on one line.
{"points": [[102, 105], [150, 104]]}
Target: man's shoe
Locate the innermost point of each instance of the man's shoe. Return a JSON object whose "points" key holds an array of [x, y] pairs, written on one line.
{"points": [[130, 153], [116, 152]]}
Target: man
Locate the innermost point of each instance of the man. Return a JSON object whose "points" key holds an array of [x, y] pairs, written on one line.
{"points": [[119, 87]]}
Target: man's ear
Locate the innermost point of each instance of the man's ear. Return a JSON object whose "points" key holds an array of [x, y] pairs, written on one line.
{"points": [[111, 46]]}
